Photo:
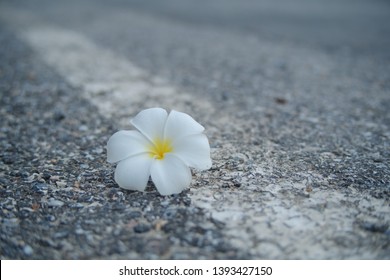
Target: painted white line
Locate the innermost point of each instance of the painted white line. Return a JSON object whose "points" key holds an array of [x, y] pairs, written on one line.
{"points": [[111, 82]]}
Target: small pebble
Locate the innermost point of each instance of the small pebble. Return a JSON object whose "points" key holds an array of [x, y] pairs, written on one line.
{"points": [[55, 203], [83, 128], [61, 184], [55, 178], [141, 228], [27, 250]]}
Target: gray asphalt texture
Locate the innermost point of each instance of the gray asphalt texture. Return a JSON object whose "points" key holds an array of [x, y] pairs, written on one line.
{"points": [[307, 85]]}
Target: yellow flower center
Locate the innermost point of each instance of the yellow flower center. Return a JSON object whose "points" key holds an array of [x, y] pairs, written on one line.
{"points": [[160, 147]]}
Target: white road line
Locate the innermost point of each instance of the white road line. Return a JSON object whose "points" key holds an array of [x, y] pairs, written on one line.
{"points": [[110, 81]]}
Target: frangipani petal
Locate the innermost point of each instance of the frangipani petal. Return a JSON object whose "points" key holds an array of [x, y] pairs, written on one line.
{"points": [[150, 122], [170, 175], [179, 125], [125, 143], [133, 173], [194, 151]]}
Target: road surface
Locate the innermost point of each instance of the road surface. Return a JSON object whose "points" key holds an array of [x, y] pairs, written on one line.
{"points": [[294, 96]]}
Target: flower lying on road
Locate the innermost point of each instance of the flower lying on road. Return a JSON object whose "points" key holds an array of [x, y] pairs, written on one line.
{"points": [[163, 147]]}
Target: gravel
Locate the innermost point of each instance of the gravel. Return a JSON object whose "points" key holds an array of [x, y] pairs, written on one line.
{"points": [[299, 137]]}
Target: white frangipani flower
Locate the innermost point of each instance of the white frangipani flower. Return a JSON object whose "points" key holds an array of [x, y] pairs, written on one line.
{"points": [[163, 147]]}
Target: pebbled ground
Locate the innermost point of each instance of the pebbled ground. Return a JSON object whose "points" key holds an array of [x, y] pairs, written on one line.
{"points": [[299, 137]]}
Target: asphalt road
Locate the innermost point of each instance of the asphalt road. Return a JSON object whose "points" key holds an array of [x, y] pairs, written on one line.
{"points": [[294, 96]]}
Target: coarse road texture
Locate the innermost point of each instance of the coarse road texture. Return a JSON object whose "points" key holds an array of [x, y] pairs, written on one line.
{"points": [[294, 95]]}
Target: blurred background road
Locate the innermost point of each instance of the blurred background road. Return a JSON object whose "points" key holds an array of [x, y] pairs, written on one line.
{"points": [[294, 95]]}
